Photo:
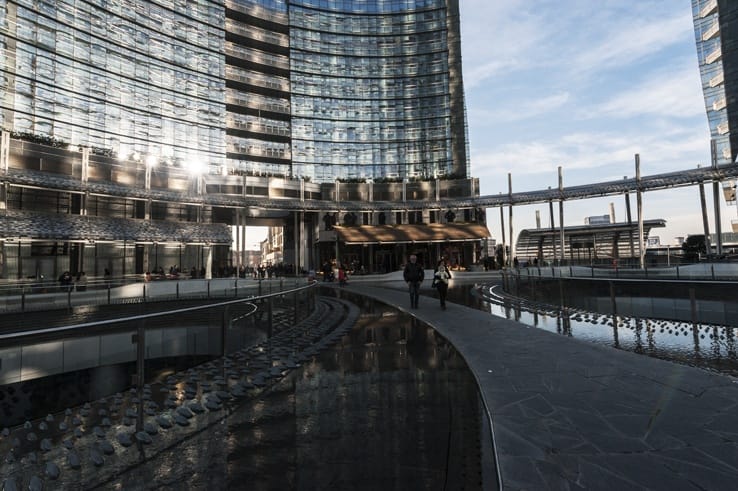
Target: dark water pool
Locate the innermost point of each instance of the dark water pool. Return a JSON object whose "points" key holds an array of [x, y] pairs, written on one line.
{"points": [[709, 346], [391, 406]]}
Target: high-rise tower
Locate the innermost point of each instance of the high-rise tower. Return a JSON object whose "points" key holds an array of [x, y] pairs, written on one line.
{"points": [[716, 33], [325, 90]]}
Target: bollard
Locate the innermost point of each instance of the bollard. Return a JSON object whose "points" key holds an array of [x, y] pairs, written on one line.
{"points": [[178, 290], [693, 305]]}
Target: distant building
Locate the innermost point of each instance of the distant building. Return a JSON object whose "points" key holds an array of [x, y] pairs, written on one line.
{"points": [[597, 220], [584, 243]]}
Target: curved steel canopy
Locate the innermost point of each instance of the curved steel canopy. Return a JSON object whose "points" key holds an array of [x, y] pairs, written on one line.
{"points": [[654, 182]]}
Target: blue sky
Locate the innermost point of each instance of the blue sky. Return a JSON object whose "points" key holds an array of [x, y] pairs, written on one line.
{"points": [[585, 85]]}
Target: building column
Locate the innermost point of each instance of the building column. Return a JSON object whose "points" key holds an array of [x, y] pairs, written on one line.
{"points": [[716, 203], [510, 223], [561, 213]]}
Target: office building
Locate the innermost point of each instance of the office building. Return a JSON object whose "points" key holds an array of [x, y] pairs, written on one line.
{"points": [[154, 127]]}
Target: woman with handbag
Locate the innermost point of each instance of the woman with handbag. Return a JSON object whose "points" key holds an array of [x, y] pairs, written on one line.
{"points": [[440, 281]]}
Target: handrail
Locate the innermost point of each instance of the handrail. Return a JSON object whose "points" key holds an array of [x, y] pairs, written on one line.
{"points": [[108, 292], [117, 320]]}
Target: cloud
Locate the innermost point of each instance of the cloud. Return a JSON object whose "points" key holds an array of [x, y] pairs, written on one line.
{"points": [[632, 40], [611, 154], [666, 93], [498, 38], [550, 38], [527, 108]]}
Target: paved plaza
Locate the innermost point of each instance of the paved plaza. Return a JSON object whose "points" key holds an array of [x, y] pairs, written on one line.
{"points": [[567, 414]]}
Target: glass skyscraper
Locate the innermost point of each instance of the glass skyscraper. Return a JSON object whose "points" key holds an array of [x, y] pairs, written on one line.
{"points": [[325, 90], [716, 33], [142, 133]]}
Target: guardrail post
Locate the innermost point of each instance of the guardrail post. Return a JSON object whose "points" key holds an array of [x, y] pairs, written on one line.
{"points": [[677, 269], [23, 300], [224, 325], [208, 289], [613, 303], [270, 318], [712, 271], [177, 290], [533, 288], [108, 294], [140, 340], [296, 303], [144, 292], [561, 294], [235, 288]]}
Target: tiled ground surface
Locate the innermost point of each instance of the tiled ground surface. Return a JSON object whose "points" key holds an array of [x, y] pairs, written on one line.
{"points": [[571, 415]]}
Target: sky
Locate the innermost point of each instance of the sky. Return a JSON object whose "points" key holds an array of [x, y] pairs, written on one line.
{"points": [[586, 85]]}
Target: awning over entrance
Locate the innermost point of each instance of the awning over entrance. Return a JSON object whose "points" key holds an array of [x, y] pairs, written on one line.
{"points": [[406, 234]]}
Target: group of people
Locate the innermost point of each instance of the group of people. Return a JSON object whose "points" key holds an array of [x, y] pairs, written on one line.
{"points": [[414, 276], [329, 275]]}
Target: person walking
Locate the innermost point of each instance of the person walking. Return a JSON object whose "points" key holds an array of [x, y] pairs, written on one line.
{"points": [[413, 276], [440, 280]]}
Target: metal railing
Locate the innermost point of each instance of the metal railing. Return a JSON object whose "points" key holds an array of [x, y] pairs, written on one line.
{"points": [[688, 272], [29, 296], [224, 332]]}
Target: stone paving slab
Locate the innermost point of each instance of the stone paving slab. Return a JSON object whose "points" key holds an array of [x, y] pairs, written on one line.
{"points": [[567, 414]]}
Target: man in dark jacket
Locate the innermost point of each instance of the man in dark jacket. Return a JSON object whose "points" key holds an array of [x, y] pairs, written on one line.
{"points": [[413, 276]]}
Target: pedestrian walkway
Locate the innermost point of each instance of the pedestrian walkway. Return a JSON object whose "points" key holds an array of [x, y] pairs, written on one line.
{"points": [[566, 414]]}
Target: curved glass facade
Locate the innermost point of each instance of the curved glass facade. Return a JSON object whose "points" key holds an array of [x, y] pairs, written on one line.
{"points": [[709, 37], [130, 76], [372, 90], [327, 90]]}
